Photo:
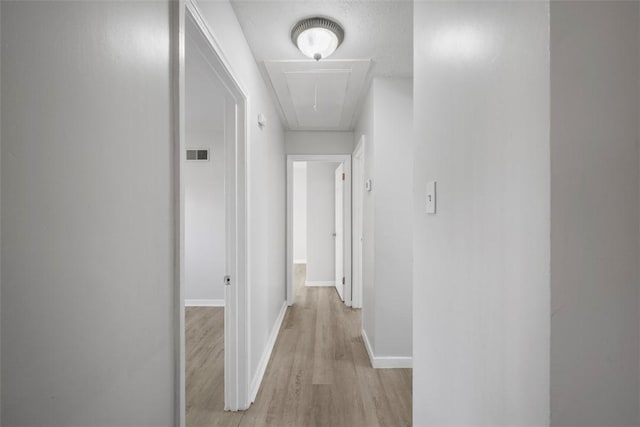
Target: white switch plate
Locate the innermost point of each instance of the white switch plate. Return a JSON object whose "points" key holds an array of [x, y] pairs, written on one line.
{"points": [[431, 197]]}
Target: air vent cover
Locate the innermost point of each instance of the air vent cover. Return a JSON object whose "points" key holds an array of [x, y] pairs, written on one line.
{"points": [[201, 154]]}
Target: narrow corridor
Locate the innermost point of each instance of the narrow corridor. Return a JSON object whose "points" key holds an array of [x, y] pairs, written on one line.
{"points": [[319, 373]]}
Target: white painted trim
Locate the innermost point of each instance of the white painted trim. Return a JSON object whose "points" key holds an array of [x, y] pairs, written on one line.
{"points": [[237, 321], [338, 158], [204, 303], [392, 362], [385, 362], [264, 360], [299, 261], [178, 113], [367, 345], [340, 291], [331, 283], [289, 249]]}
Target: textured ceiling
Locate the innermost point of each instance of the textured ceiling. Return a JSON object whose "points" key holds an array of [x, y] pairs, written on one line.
{"points": [[380, 30]]}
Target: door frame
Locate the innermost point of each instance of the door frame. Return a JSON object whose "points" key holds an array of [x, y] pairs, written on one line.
{"points": [[338, 158], [236, 321], [339, 181], [358, 220]]}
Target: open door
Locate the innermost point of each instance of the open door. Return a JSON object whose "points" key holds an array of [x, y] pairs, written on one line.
{"points": [[192, 30], [339, 230], [342, 224]]}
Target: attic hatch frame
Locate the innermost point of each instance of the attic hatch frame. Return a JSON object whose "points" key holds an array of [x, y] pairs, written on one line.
{"points": [[237, 390]]}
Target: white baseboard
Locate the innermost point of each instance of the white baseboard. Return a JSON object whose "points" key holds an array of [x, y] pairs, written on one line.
{"points": [[299, 261], [385, 362], [266, 355], [308, 283], [204, 303]]}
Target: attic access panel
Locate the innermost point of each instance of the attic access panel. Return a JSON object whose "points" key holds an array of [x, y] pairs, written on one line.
{"points": [[318, 96], [340, 85]]}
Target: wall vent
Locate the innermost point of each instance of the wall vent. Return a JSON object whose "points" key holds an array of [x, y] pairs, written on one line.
{"points": [[201, 154]]}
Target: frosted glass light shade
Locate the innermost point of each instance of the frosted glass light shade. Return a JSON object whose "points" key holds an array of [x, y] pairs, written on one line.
{"points": [[317, 43], [317, 38]]}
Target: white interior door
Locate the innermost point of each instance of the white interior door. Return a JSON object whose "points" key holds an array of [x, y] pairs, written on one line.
{"points": [[238, 393], [339, 230]]}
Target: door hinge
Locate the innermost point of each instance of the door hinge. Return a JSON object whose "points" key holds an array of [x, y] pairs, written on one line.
{"points": [[343, 280], [343, 176]]}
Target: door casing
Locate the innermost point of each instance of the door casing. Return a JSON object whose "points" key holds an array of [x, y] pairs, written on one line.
{"points": [[187, 17], [338, 158], [339, 235]]}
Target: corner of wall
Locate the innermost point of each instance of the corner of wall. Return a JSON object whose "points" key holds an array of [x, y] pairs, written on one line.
{"points": [[595, 248], [638, 149], [1, 214]]}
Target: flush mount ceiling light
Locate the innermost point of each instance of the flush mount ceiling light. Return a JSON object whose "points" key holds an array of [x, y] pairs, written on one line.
{"points": [[317, 37]]}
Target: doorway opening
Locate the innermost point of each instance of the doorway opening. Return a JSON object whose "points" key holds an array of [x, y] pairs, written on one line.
{"points": [[205, 246], [212, 313], [319, 223]]}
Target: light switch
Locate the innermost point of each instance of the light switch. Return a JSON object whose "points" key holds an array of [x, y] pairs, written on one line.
{"points": [[431, 197], [367, 185]]}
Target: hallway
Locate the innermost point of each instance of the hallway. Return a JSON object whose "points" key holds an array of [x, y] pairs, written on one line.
{"points": [[319, 373]]}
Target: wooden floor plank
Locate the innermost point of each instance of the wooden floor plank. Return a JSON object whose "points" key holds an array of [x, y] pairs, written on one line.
{"points": [[205, 368], [319, 373]]}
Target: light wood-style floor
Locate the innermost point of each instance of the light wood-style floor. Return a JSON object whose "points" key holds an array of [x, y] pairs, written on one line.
{"points": [[319, 373]]}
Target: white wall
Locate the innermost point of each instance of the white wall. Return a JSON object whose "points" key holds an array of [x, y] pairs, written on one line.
{"points": [[393, 219], [321, 248], [87, 214], [0, 217], [481, 271], [386, 122], [365, 126], [299, 142], [300, 212], [594, 213], [267, 181], [205, 250]]}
